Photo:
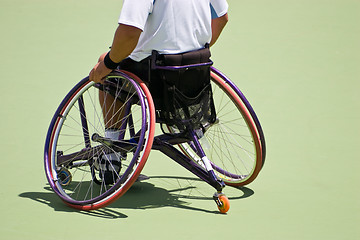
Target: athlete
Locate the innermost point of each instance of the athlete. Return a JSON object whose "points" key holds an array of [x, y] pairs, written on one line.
{"points": [[170, 27]]}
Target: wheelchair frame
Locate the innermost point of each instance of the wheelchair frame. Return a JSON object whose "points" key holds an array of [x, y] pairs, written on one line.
{"points": [[59, 177]]}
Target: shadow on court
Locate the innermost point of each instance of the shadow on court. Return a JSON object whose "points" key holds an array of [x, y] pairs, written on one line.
{"points": [[142, 195]]}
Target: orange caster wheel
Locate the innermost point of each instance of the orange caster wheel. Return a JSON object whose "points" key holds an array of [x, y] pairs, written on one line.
{"points": [[222, 202]]}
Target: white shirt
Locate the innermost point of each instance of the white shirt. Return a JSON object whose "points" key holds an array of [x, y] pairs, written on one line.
{"points": [[171, 26]]}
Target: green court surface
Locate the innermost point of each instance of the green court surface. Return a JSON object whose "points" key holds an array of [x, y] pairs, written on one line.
{"points": [[298, 63]]}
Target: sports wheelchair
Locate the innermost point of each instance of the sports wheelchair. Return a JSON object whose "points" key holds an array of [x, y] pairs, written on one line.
{"points": [[228, 150]]}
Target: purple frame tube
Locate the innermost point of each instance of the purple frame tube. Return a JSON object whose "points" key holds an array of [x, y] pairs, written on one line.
{"points": [[84, 124], [184, 161]]}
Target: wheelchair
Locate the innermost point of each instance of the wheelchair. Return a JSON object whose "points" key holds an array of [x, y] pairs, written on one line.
{"points": [[229, 150]]}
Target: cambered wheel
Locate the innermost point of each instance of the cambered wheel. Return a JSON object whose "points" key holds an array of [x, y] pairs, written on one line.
{"points": [[76, 141]]}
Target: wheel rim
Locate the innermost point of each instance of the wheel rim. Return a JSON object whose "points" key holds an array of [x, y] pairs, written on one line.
{"points": [[232, 143], [83, 190]]}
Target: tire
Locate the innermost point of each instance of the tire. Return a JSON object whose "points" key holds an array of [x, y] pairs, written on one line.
{"points": [[73, 150], [235, 143]]}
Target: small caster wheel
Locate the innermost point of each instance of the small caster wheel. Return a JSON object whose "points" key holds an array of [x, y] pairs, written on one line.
{"points": [[222, 202], [64, 177]]}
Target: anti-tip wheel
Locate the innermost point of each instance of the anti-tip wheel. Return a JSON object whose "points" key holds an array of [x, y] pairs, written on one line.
{"points": [[65, 177], [222, 202]]}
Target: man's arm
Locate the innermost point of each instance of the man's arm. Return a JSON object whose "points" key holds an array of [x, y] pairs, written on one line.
{"points": [[125, 40], [217, 25]]}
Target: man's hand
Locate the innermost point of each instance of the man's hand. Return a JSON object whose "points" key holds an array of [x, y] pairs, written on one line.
{"points": [[99, 71]]}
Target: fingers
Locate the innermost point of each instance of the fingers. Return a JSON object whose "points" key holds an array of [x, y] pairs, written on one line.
{"points": [[93, 74], [99, 72]]}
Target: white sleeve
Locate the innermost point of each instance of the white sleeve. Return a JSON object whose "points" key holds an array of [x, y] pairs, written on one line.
{"points": [[218, 8], [135, 12]]}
